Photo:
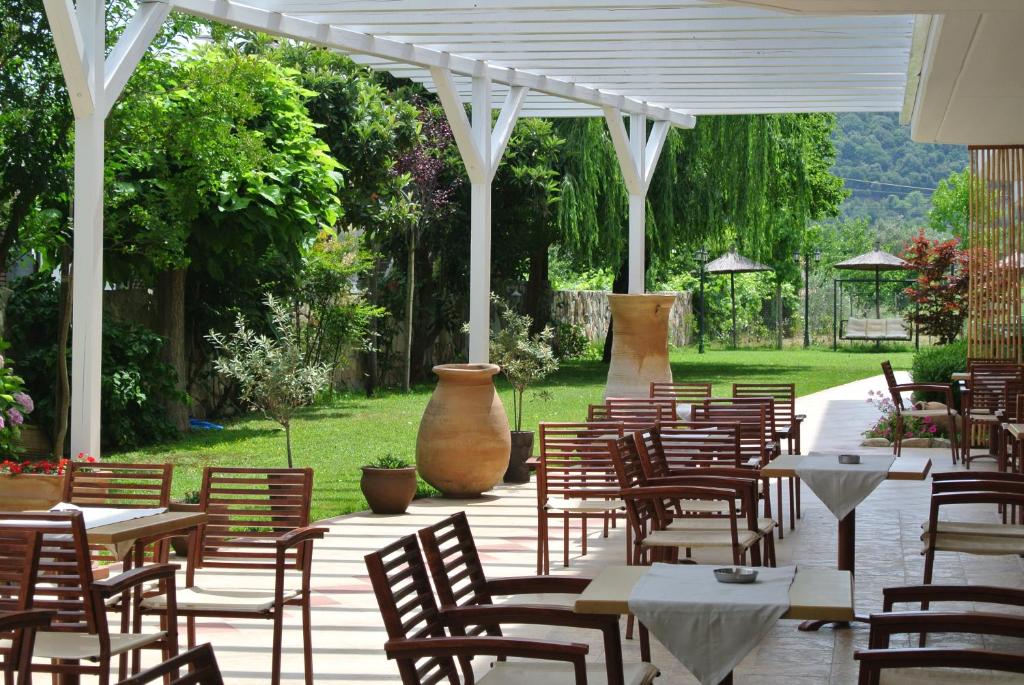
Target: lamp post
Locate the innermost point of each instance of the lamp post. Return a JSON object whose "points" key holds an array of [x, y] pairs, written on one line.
{"points": [[807, 290], [702, 259]]}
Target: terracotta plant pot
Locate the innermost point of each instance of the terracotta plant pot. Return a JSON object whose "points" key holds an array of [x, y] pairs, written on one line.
{"points": [[388, 491], [522, 449], [30, 491], [463, 444], [639, 344]]}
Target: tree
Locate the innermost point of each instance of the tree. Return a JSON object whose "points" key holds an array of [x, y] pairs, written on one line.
{"points": [[949, 214], [272, 373], [940, 291], [218, 182]]}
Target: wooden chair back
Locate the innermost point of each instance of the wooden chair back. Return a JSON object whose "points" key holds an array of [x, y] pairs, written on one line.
{"points": [[247, 510], [200, 664], [574, 461], [17, 640], [19, 555], [783, 397], [637, 413], [62, 577], [409, 608], [454, 562], [1011, 392], [125, 486], [685, 444], [642, 514], [987, 386], [688, 393], [756, 420]]}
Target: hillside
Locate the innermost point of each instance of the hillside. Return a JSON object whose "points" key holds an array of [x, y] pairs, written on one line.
{"points": [[874, 150]]}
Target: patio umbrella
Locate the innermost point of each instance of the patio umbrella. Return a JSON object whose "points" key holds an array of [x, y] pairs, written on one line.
{"points": [[877, 261], [733, 263]]}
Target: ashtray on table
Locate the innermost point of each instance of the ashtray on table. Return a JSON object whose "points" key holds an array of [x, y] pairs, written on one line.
{"points": [[735, 574], [849, 458]]}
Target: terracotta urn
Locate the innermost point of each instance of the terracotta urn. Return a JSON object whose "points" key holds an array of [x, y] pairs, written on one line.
{"points": [[463, 444], [639, 344], [388, 491]]}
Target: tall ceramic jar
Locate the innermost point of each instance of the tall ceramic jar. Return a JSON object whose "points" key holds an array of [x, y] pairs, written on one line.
{"points": [[463, 444], [639, 344]]}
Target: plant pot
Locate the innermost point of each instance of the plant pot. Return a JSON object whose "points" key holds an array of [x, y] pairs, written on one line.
{"points": [[30, 491], [639, 344], [463, 444], [518, 470], [388, 491], [179, 543]]}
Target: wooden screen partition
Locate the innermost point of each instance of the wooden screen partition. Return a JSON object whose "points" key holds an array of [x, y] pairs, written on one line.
{"points": [[996, 223]]}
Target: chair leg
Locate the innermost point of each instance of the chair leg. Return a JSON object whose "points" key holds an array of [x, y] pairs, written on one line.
{"points": [[190, 630], [565, 542], [798, 488], [275, 662], [645, 643], [307, 640], [792, 504], [583, 534]]}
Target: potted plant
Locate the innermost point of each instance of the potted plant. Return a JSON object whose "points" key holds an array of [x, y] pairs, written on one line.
{"points": [[524, 360], [32, 484], [388, 484]]}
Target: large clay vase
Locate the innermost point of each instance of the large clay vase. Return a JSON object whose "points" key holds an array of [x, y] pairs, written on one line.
{"points": [[639, 344], [463, 445]]}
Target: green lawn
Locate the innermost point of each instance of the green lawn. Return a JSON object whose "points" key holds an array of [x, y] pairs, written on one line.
{"points": [[339, 437]]}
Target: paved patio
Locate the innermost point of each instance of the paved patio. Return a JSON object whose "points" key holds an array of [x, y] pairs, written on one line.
{"points": [[348, 635]]}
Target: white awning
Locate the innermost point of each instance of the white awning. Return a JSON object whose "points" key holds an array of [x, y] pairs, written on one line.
{"points": [[666, 59]]}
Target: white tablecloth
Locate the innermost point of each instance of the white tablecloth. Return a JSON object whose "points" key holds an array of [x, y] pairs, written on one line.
{"points": [[843, 486], [94, 517], [709, 626]]}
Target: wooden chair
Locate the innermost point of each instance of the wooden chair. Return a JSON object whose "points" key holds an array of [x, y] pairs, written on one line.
{"points": [[1013, 439], [685, 395], [79, 641], [125, 486], [984, 402], [635, 413], [199, 662], [921, 665], [1012, 413], [896, 391], [426, 654], [955, 488], [258, 521], [18, 632], [684, 444], [19, 556], [463, 589], [575, 481], [652, 508]]}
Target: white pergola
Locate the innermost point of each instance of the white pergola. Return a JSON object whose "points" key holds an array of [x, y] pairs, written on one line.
{"points": [[661, 63]]}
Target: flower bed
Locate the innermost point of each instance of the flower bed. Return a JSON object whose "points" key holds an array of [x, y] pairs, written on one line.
{"points": [[913, 427]]}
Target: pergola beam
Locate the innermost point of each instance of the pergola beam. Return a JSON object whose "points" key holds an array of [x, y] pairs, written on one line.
{"points": [[428, 58], [67, 37], [131, 46]]}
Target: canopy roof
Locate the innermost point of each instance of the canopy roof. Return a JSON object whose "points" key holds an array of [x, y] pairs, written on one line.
{"points": [[670, 58], [734, 263], [876, 260]]}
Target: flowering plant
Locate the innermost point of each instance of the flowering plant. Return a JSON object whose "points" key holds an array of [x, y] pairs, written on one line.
{"points": [[885, 426], [15, 403], [44, 467]]}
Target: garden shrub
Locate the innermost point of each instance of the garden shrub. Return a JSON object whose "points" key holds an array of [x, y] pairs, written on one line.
{"points": [[135, 382], [937, 365], [913, 427], [570, 341]]}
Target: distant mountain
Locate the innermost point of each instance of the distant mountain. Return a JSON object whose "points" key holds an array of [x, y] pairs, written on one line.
{"points": [[889, 175]]}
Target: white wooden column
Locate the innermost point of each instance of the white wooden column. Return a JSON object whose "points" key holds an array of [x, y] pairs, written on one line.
{"points": [[481, 148], [638, 157], [94, 84]]}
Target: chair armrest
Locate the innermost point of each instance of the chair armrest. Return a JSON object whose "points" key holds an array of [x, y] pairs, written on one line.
{"points": [[294, 537], [32, 618], [799, 417], [533, 584], [137, 576], [526, 614], [490, 646]]}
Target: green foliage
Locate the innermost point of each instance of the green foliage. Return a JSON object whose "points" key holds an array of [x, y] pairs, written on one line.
{"points": [[524, 359], [136, 384], [389, 461], [570, 342], [334, 316], [937, 365], [15, 403], [272, 374], [875, 148], [886, 425], [950, 209]]}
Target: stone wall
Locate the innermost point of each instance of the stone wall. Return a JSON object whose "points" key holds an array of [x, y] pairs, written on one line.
{"points": [[589, 309]]}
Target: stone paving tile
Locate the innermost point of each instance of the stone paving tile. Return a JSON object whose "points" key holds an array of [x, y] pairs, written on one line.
{"points": [[348, 635]]}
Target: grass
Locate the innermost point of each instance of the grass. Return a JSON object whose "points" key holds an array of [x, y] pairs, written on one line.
{"points": [[339, 436]]}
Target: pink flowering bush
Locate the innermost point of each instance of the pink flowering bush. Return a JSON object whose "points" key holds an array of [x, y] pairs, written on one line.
{"points": [[15, 403], [885, 426]]}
